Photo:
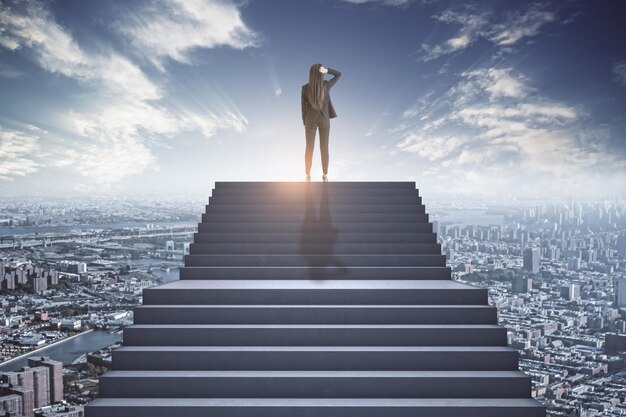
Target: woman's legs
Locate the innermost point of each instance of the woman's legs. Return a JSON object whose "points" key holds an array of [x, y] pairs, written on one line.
{"points": [[310, 130], [324, 134], [310, 144]]}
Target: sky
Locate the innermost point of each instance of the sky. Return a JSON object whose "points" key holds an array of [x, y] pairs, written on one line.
{"points": [[474, 98]]}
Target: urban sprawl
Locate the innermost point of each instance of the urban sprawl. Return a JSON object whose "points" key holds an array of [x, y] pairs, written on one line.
{"points": [[72, 269]]}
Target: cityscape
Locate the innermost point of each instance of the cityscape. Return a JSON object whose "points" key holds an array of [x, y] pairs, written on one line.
{"points": [[73, 271], [120, 121], [556, 274]]}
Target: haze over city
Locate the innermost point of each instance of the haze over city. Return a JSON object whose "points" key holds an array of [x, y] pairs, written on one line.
{"points": [[465, 98]]}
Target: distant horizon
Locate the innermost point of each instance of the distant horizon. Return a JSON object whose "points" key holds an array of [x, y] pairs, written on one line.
{"points": [[470, 100], [429, 197]]}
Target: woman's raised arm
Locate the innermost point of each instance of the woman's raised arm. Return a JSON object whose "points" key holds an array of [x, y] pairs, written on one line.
{"points": [[333, 80]]}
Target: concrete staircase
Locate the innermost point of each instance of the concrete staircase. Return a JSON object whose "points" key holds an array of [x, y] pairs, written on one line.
{"points": [[311, 300]]}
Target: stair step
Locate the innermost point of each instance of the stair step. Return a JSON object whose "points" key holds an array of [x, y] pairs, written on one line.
{"points": [[306, 237], [295, 188], [341, 185], [300, 260], [317, 194], [407, 358], [314, 314], [280, 292], [343, 227], [315, 209], [314, 335], [315, 407], [301, 217], [314, 384], [316, 248], [324, 270], [302, 198]]}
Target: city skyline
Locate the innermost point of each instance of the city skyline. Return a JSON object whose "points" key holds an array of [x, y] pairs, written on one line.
{"points": [[74, 274], [464, 98]]}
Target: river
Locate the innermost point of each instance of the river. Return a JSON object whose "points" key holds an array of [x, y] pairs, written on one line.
{"points": [[476, 217], [67, 350], [27, 230]]}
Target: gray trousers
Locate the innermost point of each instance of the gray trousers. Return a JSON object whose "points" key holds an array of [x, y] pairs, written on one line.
{"points": [[324, 128]]}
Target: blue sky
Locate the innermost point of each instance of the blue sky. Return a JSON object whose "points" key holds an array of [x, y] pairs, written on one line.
{"points": [[506, 98]]}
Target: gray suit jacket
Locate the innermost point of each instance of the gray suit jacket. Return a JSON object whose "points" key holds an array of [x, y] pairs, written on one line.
{"points": [[309, 114]]}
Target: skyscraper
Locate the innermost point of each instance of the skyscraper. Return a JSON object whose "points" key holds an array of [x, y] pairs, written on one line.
{"points": [[55, 374], [35, 379], [620, 292], [40, 284], [573, 264], [570, 292], [614, 343], [522, 285], [621, 243], [24, 405], [531, 259]]}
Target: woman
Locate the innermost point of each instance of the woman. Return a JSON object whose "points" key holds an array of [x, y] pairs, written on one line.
{"points": [[317, 110]]}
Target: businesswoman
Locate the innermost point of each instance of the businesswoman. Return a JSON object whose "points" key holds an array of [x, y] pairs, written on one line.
{"points": [[317, 110]]}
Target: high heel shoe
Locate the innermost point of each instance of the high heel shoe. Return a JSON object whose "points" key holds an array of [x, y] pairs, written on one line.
{"points": [[308, 178], [325, 178]]}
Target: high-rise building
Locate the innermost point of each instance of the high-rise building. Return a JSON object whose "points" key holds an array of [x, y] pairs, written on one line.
{"points": [[570, 292], [553, 253], [23, 406], [590, 255], [53, 277], [621, 243], [614, 343], [523, 237], [8, 283], [35, 379], [573, 264], [55, 372], [521, 285], [22, 275], [620, 292], [40, 284], [532, 257]]}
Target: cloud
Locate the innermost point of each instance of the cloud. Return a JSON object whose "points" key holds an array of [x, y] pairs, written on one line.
{"points": [[432, 148], [16, 154], [471, 22], [475, 24], [172, 28], [493, 124], [6, 71], [383, 2], [36, 129], [619, 72], [497, 82], [31, 26], [520, 24], [126, 112]]}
